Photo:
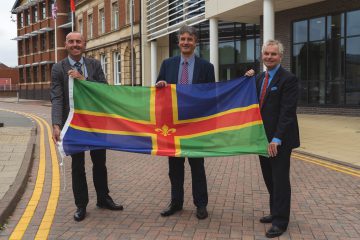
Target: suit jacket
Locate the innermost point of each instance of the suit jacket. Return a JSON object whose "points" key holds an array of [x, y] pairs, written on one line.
{"points": [[59, 92], [279, 108], [203, 70]]}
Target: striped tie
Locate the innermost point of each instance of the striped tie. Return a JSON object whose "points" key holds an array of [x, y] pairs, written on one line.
{"points": [[263, 91], [185, 73], [78, 66]]}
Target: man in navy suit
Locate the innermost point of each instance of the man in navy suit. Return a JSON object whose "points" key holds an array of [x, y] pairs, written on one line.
{"points": [[278, 94], [186, 69]]}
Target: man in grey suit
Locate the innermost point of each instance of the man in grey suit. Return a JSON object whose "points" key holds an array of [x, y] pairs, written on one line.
{"points": [[80, 68]]}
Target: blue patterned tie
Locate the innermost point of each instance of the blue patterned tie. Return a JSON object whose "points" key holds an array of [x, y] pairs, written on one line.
{"points": [[78, 66]]}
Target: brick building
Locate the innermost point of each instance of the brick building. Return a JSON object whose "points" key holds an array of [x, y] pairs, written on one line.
{"points": [[9, 78], [109, 33], [40, 43]]}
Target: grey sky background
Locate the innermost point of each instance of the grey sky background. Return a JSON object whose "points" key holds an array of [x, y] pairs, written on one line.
{"points": [[8, 47]]}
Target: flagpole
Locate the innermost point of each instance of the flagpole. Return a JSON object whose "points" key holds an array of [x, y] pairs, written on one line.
{"points": [[72, 9], [132, 42], [72, 21], [56, 55], [54, 13]]}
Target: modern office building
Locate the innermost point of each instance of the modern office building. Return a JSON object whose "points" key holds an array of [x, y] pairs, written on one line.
{"points": [[112, 32], [321, 39], [40, 40]]}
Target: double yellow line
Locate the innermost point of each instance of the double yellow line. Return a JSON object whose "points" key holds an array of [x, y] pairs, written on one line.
{"points": [[49, 214], [327, 164]]}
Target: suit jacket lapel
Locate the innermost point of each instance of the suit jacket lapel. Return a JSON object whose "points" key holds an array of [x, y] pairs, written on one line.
{"points": [[273, 82], [66, 66], [259, 80], [174, 70], [196, 72], [89, 68]]}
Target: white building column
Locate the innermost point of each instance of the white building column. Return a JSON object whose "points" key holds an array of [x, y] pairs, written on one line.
{"points": [[153, 53], [268, 20], [214, 48]]}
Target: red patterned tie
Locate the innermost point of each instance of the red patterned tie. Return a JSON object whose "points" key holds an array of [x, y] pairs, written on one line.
{"points": [[185, 73], [263, 91]]}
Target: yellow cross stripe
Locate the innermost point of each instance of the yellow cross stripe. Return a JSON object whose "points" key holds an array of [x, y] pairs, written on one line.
{"points": [[332, 166], [24, 221]]}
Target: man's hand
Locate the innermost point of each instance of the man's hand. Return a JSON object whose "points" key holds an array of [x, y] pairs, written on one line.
{"points": [[250, 73], [272, 149], [75, 74], [161, 84], [56, 133]]}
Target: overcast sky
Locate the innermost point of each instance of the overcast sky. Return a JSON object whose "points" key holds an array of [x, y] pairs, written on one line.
{"points": [[8, 47]]}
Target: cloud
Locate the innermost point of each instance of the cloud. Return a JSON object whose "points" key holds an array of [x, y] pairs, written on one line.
{"points": [[8, 47]]}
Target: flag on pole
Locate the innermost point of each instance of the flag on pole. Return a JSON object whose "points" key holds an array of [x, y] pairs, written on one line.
{"points": [[196, 120], [54, 10], [72, 5]]}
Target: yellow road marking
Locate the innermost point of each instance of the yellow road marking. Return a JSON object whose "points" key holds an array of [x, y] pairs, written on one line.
{"points": [[25, 219], [49, 214], [333, 166]]}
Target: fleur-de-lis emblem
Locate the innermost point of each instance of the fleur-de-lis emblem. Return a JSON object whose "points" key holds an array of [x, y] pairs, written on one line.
{"points": [[165, 130]]}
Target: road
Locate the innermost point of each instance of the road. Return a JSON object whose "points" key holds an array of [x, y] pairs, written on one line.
{"points": [[325, 200]]}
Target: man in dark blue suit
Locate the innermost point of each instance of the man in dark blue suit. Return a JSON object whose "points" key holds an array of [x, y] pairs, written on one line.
{"points": [[186, 69], [278, 94]]}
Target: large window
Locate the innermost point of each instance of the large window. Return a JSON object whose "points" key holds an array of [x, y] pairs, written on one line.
{"points": [[35, 44], [27, 46], [35, 73], [28, 75], [42, 42], [326, 58], [27, 17], [21, 20], [81, 26], [104, 64], [115, 16], [117, 68], [239, 47], [101, 21], [20, 48], [90, 26], [51, 40], [43, 73], [35, 14], [43, 10]]}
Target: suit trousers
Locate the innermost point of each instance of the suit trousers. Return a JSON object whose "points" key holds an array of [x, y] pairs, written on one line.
{"points": [[276, 174], [79, 184], [199, 185]]}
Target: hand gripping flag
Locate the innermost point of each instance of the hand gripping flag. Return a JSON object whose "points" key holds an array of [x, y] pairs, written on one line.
{"points": [[196, 120]]}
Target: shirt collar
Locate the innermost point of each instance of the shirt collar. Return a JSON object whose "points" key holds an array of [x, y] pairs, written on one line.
{"points": [[273, 71], [72, 62], [190, 60]]}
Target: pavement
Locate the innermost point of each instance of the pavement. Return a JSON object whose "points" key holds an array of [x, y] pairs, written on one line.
{"points": [[328, 137]]}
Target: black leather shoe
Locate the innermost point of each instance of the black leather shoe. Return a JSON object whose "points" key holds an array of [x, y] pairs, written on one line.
{"points": [[201, 213], [274, 231], [171, 209], [80, 214], [108, 203], [266, 219]]}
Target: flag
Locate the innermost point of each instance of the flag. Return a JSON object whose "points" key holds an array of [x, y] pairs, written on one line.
{"points": [[54, 10], [196, 120], [72, 5]]}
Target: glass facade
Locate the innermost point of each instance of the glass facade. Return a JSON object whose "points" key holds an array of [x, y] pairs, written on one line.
{"points": [[239, 47], [326, 58]]}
